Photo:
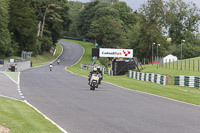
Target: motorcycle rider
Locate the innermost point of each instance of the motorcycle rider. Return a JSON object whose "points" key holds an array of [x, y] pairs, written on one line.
{"points": [[94, 71], [100, 72], [51, 66], [58, 61]]}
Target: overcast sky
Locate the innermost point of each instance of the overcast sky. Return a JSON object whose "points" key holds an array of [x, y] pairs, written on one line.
{"points": [[135, 4]]}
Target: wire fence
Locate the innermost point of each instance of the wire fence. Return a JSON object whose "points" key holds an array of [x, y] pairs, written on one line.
{"points": [[181, 65]]}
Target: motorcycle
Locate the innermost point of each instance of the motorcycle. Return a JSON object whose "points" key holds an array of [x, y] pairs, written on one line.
{"points": [[58, 62], [50, 67], [94, 81]]}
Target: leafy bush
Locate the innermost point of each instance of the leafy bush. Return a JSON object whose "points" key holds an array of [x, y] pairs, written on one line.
{"points": [[104, 61]]}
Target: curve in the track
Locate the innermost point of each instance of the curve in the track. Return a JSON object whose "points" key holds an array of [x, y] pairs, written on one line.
{"points": [[66, 99]]}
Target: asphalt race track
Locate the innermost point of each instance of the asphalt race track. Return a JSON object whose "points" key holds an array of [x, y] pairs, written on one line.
{"points": [[67, 100]]}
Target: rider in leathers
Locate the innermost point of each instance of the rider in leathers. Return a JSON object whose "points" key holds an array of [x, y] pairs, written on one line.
{"points": [[94, 71]]}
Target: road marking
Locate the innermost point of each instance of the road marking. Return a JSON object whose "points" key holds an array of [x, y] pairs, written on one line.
{"points": [[10, 98], [26, 102], [10, 78], [63, 130]]}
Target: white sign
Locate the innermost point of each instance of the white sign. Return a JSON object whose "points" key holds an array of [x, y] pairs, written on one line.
{"points": [[123, 53]]}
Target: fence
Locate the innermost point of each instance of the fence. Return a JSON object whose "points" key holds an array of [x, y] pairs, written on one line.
{"points": [[184, 65], [155, 78], [190, 81]]}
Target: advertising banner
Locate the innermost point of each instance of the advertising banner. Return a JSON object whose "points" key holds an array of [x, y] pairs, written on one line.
{"points": [[121, 53]]}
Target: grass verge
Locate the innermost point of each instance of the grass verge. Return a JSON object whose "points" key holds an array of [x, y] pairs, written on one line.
{"points": [[13, 75], [46, 57], [20, 118], [171, 68], [186, 94]]}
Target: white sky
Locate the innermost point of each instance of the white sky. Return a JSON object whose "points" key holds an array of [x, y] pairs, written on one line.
{"points": [[135, 4]]}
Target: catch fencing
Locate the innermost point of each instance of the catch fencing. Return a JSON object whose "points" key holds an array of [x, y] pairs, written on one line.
{"points": [[151, 77], [190, 81]]}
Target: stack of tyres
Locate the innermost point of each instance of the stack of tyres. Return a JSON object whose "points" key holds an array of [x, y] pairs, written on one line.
{"points": [[191, 81], [162, 79], [155, 78], [150, 77], [158, 78], [176, 80], [197, 82], [186, 80], [182, 81]]}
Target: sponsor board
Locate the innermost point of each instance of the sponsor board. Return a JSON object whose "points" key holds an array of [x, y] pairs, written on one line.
{"points": [[123, 53]]}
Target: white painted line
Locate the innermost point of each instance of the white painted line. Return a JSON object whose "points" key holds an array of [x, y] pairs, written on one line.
{"points": [[10, 98], [10, 78], [63, 130], [25, 101]]}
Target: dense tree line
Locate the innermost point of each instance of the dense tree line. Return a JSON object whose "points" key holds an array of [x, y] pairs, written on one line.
{"points": [[112, 23], [36, 25], [31, 25]]}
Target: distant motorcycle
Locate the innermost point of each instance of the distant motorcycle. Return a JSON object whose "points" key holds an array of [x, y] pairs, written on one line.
{"points": [[50, 67], [94, 81], [58, 61]]}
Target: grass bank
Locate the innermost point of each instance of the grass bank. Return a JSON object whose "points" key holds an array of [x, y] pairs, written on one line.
{"points": [[40, 60], [20, 118], [46, 57], [173, 69], [186, 94]]}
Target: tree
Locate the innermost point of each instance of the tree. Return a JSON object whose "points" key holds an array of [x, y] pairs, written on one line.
{"points": [[53, 19], [5, 39], [110, 1], [74, 11], [23, 25], [108, 32], [181, 17], [87, 15], [123, 10], [148, 29]]}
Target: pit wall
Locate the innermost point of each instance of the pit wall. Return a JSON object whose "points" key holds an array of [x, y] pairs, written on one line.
{"points": [[150, 77]]}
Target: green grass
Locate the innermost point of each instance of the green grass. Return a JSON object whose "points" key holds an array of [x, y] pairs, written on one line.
{"points": [[20, 118], [46, 57], [186, 94], [171, 69], [40, 60], [13, 75]]}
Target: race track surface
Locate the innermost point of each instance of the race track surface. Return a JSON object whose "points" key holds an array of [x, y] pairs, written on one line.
{"points": [[66, 99], [8, 88]]}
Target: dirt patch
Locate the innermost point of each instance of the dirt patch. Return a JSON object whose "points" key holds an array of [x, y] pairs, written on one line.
{"points": [[3, 129]]}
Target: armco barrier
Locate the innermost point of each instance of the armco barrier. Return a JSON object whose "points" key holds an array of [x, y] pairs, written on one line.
{"points": [[190, 81], [155, 78]]}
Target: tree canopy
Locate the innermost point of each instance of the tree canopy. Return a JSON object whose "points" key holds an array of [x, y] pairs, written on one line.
{"points": [[37, 25]]}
